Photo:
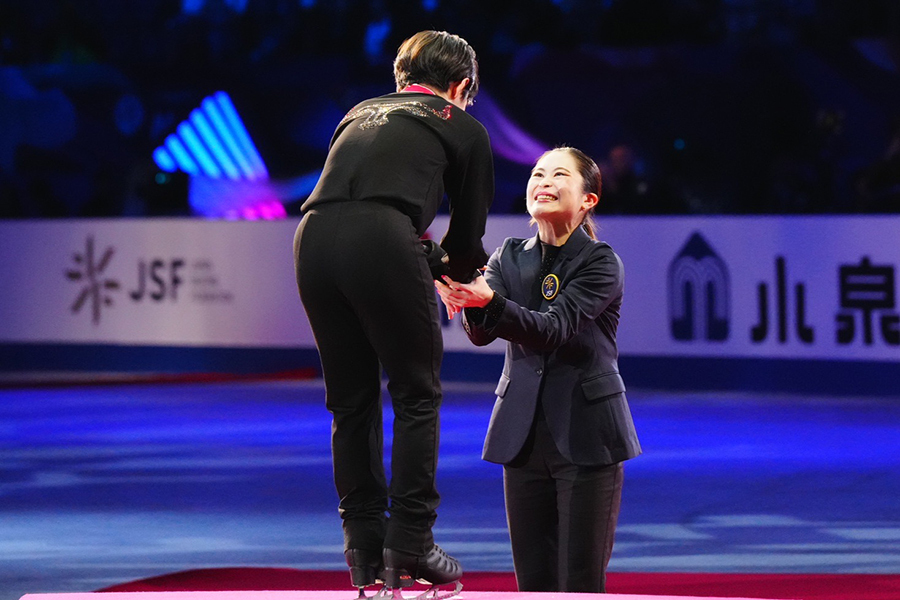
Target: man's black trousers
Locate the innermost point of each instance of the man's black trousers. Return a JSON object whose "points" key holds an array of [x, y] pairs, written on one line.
{"points": [[369, 297]]}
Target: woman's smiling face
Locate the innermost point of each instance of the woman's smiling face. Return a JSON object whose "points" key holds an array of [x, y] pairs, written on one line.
{"points": [[555, 190]]}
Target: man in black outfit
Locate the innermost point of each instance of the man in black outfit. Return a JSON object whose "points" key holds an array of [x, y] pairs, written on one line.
{"points": [[368, 292]]}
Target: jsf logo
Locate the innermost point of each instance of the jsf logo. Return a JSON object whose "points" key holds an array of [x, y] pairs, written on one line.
{"points": [[157, 279], [96, 287]]}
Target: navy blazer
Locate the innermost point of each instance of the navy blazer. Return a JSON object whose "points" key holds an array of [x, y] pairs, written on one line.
{"points": [[560, 352]]}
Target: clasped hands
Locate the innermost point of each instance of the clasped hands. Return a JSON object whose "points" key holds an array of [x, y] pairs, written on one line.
{"points": [[457, 296]]}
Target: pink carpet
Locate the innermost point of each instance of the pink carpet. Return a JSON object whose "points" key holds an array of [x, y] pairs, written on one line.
{"points": [[336, 595], [719, 585]]}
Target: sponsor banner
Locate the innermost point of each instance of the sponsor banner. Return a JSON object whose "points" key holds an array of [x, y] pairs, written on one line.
{"points": [[151, 282], [820, 287]]}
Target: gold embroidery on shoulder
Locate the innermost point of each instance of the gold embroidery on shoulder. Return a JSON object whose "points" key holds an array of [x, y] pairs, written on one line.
{"points": [[377, 114]]}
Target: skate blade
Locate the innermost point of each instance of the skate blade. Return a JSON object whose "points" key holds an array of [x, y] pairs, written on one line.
{"points": [[432, 593], [382, 594]]}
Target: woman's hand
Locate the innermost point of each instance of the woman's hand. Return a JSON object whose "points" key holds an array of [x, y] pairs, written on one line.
{"points": [[457, 296]]}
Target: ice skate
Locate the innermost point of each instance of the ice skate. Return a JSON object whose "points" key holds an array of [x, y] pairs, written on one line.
{"points": [[435, 568], [366, 569]]}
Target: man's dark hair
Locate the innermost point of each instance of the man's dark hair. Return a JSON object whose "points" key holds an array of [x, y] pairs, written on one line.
{"points": [[436, 58]]}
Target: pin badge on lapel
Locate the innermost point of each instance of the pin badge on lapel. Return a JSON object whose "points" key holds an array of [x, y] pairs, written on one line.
{"points": [[550, 286]]}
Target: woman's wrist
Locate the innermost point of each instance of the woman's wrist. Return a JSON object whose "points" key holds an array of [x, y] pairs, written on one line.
{"points": [[494, 308]]}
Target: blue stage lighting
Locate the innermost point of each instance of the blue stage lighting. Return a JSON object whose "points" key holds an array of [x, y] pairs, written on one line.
{"points": [[229, 177], [239, 6], [376, 34], [192, 7], [184, 160], [211, 110], [212, 142], [198, 151], [164, 160], [240, 134]]}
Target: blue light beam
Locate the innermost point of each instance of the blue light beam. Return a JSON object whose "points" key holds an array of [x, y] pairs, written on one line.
{"points": [[184, 160], [218, 122], [215, 145], [212, 142], [164, 160], [207, 164], [240, 133]]}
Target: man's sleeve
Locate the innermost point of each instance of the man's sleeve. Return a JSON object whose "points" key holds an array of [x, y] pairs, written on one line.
{"points": [[470, 187]]}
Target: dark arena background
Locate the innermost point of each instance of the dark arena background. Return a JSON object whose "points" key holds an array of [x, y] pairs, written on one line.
{"points": [[162, 417]]}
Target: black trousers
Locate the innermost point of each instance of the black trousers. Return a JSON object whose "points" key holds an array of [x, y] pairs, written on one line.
{"points": [[369, 297], [562, 517]]}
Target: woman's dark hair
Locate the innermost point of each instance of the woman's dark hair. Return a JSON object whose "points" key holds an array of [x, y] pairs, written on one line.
{"points": [[436, 58], [591, 181]]}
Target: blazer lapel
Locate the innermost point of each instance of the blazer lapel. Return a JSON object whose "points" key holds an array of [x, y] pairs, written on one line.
{"points": [[569, 251], [529, 268]]}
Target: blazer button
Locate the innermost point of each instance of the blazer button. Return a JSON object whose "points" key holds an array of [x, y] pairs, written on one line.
{"points": [[539, 371]]}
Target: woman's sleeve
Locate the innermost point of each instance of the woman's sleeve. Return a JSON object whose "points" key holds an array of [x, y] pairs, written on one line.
{"points": [[478, 322], [585, 295]]}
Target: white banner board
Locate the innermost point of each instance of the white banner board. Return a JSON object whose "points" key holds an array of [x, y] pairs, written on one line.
{"points": [[150, 282], [820, 287]]}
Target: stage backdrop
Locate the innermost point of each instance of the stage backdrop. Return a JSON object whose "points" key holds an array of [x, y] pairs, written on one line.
{"points": [[814, 288]]}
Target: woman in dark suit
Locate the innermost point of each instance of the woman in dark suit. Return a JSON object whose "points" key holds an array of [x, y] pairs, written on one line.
{"points": [[561, 426]]}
